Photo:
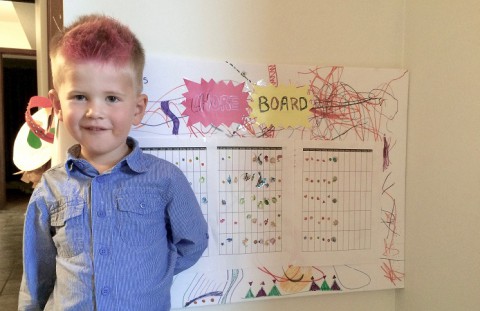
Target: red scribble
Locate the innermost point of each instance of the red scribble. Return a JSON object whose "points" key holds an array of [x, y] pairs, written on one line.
{"points": [[390, 220], [272, 75], [339, 108], [267, 132], [391, 274]]}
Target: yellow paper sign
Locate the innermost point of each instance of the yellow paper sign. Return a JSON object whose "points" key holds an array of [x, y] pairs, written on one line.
{"points": [[281, 105]]}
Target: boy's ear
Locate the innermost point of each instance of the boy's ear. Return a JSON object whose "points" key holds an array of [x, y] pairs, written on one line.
{"points": [[53, 96], [140, 107]]}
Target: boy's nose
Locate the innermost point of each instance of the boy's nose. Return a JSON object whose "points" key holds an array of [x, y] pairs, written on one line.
{"points": [[94, 111]]}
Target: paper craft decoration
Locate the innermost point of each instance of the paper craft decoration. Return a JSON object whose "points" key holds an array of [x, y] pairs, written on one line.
{"points": [[284, 106], [214, 103], [29, 151]]}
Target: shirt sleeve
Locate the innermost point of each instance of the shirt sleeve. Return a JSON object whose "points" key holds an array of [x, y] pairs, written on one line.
{"points": [[39, 254], [187, 224]]}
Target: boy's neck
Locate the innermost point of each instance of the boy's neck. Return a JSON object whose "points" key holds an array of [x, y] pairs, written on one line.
{"points": [[103, 163]]}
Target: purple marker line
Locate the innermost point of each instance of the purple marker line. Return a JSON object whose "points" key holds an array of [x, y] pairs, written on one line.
{"points": [[166, 109]]}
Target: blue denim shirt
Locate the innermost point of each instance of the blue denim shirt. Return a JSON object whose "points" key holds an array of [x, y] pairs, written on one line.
{"points": [[110, 241]]}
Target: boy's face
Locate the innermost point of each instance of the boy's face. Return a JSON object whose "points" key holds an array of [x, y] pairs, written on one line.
{"points": [[98, 103]]}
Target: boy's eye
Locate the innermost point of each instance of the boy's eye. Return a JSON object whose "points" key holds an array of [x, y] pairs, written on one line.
{"points": [[79, 97], [112, 99]]}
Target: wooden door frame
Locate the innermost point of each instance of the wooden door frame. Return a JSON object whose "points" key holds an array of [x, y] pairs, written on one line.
{"points": [[4, 53]]}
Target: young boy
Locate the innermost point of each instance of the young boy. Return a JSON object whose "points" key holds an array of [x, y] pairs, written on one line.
{"points": [[109, 228]]}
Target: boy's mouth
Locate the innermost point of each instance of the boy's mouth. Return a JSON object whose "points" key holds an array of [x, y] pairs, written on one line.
{"points": [[94, 128]]}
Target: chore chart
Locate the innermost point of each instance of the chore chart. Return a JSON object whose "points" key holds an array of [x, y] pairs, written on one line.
{"points": [[250, 192], [337, 199], [298, 169], [242, 190]]}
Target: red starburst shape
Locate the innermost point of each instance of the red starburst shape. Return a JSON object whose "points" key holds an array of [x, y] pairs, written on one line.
{"points": [[212, 103]]}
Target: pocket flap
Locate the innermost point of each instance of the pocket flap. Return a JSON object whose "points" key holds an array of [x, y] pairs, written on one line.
{"points": [[143, 202], [66, 210]]}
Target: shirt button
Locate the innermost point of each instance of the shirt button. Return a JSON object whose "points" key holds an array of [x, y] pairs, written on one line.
{"points": [[103, 251], [105, 291], [101, 214]]}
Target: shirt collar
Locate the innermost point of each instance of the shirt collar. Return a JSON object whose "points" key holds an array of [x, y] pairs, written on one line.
{"points": [[133, 160]]}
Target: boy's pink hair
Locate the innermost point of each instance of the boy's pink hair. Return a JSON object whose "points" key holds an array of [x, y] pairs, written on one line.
{"points": [[99, 38]]}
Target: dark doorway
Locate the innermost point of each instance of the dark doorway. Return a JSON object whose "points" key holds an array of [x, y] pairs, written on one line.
{"points": [[19, 84]]}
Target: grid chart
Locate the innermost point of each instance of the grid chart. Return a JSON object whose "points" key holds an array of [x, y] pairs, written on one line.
{"points": [[337, 199], [250, 200], [192, 161]]}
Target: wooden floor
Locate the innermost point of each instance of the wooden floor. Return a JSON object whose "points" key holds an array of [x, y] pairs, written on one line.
{"points": [[11, 230]]}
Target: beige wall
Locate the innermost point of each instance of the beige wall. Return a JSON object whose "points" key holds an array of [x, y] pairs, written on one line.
{"points": [[437, 40], [442, 52]]}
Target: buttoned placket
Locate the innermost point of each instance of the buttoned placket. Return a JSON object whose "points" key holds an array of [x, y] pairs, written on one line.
{"points": [[102, 242]]}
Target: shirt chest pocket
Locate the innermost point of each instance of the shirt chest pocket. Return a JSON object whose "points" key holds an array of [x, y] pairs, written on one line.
{"points": [[68, 224], [140, 219]]}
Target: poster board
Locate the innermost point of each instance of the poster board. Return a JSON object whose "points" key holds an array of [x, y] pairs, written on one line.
{"points": [[299, 171]]}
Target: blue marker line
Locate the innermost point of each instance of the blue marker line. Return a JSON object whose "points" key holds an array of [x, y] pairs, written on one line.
{"points": [[166, 109]]}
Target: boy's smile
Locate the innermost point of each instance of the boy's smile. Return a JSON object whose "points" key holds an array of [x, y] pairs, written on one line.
{"points": [[98, 104]]}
